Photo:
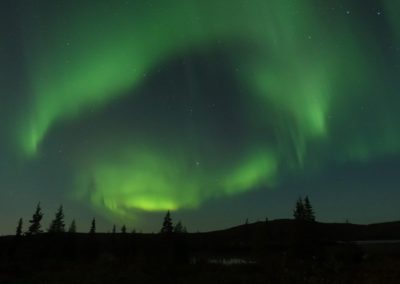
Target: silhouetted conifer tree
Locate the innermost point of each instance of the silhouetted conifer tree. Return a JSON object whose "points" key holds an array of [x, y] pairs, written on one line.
{"points": [[123, 229], [167, 226], [35, 227], [92, 245], [58, 225], [72, 227], [179, 228], [309, 214], [18, 232], [299, 211], [114, 229], [93, 226]]}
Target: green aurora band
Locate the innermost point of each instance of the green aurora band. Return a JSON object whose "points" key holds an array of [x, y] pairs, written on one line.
{"points": [[305, 76]]}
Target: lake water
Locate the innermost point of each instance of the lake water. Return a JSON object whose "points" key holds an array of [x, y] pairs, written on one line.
{"points": [[226, 261], [377, 242]]}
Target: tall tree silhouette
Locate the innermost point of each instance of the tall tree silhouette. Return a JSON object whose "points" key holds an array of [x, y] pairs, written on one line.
{"points": [[72, 227], [114, 229], [167, 226], [93, 226], [35, 227], [18, 231], [123, 229], [58, 225], [309, 214], [179, 228], [299, 211]]}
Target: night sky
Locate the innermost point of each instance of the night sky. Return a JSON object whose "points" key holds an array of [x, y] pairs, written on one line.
{"points": [[218, 110]]}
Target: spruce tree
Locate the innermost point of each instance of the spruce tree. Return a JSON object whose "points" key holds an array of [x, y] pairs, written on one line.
{"points": [[72, 227], [308, 211], [35, 227], [93, 226], [58, 225], [178, 228], [299, 211], [123, 229], [18, 232], [114, 229], [167, 226]]}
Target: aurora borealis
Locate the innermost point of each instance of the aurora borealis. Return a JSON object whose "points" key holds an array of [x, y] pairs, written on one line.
{"points": [[129, 108]]}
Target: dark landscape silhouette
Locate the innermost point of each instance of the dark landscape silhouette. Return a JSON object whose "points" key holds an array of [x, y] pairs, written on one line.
{"points": [[299, 250]]}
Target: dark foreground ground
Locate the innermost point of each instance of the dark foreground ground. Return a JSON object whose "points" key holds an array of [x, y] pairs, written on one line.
{"points": [[280, 252], [102, 271]]}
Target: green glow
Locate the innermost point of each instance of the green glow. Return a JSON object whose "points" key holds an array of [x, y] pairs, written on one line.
{"points": [[97, 56], [144, 179], [258, 170], [304, 81]]}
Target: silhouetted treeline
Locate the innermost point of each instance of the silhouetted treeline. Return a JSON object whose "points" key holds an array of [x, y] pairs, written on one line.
{"points": [[301, 250], [262, 251], [57, 225]]}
